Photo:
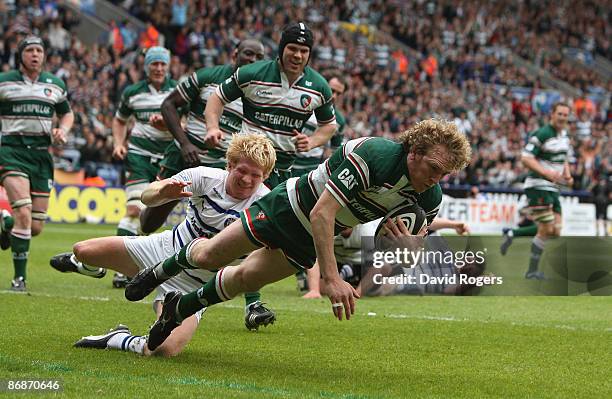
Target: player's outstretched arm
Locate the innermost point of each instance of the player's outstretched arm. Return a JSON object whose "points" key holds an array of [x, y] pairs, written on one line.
{"points": [[163, 191], [341, 294]]}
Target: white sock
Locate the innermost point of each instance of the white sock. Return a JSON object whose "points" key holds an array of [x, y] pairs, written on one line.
{"points": [[83, 268], [128, 343]]}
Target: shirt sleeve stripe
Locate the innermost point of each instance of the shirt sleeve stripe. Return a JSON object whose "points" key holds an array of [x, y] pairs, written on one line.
{"points": [[336, 193]]}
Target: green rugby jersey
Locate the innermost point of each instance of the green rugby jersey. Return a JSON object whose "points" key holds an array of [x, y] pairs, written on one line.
{"points": [[369, 177], [196, 90], [551, 149], [311, 159], [142, 100], [27, 108], [272, 107]]}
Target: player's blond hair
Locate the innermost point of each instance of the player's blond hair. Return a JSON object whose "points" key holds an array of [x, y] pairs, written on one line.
{"points": [[431, 132], [255, 147]]}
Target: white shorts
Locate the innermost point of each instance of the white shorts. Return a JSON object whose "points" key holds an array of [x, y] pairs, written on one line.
{"points": [[150, 250]]}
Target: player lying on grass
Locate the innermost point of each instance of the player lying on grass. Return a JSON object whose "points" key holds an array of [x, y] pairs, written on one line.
{"points": [[348, 250], [435, 273], [296, 223], [216, 197]]}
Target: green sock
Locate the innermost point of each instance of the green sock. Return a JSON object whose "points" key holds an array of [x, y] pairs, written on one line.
{"points": [[20, 248], [527, 231], [537, 247], [251, 297], [196, 300], [175, 264]]}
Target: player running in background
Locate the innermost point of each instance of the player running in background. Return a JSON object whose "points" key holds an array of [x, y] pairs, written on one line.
{"points": [[310, 160], [278, 98], [546, 157], [29, 98], [296, 223], [216, 197], [144, 148], [188, 148]]}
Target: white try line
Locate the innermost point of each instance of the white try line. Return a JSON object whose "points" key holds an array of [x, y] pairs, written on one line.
{"points": [[368, 314]]}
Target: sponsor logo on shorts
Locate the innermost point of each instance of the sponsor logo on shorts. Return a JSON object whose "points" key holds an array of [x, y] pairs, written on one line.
{"points": [[261, 216]]}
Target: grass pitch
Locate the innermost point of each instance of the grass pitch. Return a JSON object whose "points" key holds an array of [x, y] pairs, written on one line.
{"points": [[394, 347]]}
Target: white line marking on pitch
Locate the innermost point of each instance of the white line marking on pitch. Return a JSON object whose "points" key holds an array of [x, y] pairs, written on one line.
{"points": [[321, 311]]}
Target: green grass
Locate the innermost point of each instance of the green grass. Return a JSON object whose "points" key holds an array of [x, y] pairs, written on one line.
{"points": [[495, 346]]}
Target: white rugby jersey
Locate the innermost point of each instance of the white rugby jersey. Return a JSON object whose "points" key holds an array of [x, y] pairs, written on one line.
{"points": [[210, 208]]}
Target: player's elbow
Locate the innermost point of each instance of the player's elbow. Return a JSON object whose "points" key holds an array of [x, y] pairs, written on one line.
{"points": [[167, 106], [319, 215], [525, 161]]}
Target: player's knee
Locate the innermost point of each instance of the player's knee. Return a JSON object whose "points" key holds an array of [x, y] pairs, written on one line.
{"points": [[37, 228], [202, 255], [168, 350], [247, 280], [82, 250]]}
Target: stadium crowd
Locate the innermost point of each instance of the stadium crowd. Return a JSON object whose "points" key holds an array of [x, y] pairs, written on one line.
{"points": [[454, 47]]}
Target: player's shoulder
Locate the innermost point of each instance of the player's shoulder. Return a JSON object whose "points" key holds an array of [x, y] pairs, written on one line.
{"points": [[313, 80], [49, 78], [374, 145], [10, 76], [264, 71], [214, 74], [135, 88], [544, 133], [209, 173]]}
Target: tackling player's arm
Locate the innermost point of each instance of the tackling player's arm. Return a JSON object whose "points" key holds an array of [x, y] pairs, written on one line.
{"points": [[164, 191]]}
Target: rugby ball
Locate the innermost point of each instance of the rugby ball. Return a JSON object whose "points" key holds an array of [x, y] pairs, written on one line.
{"points": [[411, 215]]}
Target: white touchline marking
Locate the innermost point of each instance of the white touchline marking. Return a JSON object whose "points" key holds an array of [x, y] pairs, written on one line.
{"points": [[322, 311]]}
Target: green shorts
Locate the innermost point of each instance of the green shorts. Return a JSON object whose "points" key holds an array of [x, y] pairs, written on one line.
{"points": [[540, 198], [277, 177], [140, 169], [173, 162], [35, 165], [270, 222]]}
